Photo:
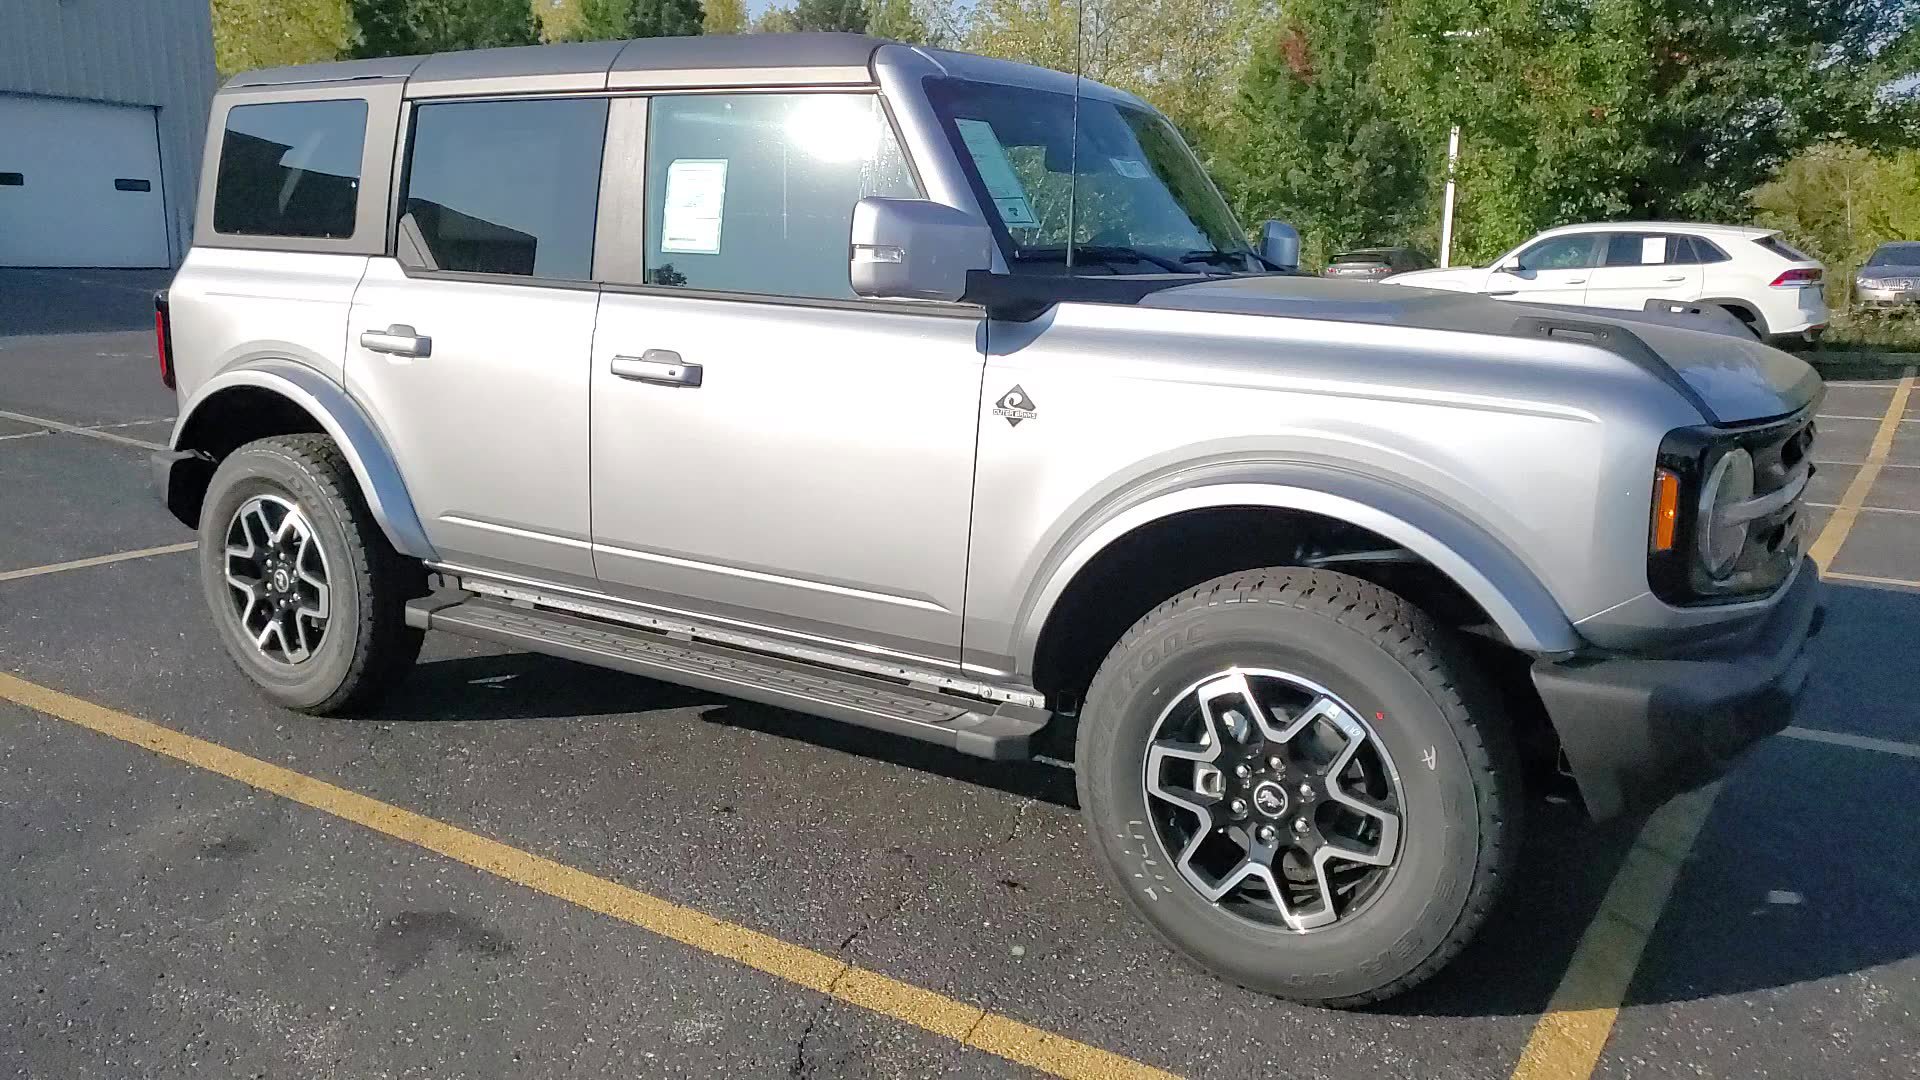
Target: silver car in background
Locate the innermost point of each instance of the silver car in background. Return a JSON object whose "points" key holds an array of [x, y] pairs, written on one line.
{"points": [[943, 396], [1890, 279]]}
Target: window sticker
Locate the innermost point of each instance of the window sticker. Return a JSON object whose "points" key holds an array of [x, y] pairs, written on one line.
{"points": [[1003, 187], [1653, 250], [1131, 168], [696, 195]]}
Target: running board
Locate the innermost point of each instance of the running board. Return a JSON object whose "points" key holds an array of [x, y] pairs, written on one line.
{"points": [[1000, 731]]}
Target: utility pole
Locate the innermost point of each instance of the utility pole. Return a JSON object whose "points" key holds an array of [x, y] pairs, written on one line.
{"points": [[1446, 215]]}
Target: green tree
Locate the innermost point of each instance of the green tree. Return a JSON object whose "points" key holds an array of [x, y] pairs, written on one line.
{"points": [[1314, 136], [408, 27], [1840, 201], [896, 20], [775, 20], [726, 17], [845, 15], [249, 34], [618, 20]]}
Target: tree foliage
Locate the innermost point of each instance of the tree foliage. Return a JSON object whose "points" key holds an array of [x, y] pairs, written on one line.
{"points": [[725, 17], [409, 27], [844, 15], [250, 34], [775, 20], [618, 20], [1840, 201]]}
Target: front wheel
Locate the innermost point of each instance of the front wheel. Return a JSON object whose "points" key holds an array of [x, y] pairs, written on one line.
{"points": [[1295, 776], [307, 594]]}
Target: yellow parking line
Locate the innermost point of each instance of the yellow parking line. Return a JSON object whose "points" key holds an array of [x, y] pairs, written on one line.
{"points": [[1869, 579], [1568, 1038], [925, 1009], [76, 429], [1841, 523], [97, 560]]}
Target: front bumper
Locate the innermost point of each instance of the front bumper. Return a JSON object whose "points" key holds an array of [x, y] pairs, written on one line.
{"points": [[1888, 297], [1638, 730]]}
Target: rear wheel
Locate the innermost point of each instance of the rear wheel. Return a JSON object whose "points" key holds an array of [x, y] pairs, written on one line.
{"points": [[307, 594], [1297, 779], [1747, 319]]}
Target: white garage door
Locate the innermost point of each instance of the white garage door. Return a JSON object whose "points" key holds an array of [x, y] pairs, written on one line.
{"points": [[79, 184]]}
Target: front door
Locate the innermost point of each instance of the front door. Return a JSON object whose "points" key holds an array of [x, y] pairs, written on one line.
{"points": [[470, 349], [1551, 271], [767, 449]]}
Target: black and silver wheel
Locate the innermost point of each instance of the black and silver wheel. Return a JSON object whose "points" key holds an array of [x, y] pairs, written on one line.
{"points": [[1297, 779], [307, 594]]}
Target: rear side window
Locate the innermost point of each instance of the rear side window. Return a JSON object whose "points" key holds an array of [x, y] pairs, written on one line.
{"points": [[1642, 249], [290, 169], [755, 192], [504, 187]]}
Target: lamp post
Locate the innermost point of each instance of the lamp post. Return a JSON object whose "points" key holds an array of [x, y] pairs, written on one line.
{"points": [[1453, 162]]}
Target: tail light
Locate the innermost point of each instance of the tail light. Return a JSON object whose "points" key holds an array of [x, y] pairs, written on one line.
{"points": [[163, 338], [1793, 279]]}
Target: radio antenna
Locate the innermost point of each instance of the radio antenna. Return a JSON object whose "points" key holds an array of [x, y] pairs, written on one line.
{"points": [[1073, 151]]}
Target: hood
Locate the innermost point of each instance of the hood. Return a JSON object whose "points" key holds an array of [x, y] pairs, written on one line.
{"points": [[1453, 278], [1901, 270], [1718, 367]]}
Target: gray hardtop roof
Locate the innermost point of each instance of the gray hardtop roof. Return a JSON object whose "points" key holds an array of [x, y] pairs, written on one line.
{"points": [[708, 60]]}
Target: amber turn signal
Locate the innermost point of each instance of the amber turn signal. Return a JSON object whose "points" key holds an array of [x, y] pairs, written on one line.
{"points": [[1666, 510]]}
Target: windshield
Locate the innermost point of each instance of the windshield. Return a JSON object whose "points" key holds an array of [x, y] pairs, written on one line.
{"points": [[1896, 255], [1142, 204]]}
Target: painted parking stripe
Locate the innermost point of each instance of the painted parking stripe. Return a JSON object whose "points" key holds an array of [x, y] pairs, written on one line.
{"points": [[1869, 579], [1857, 742], [97, 560], [925, 1009], [1862, 509], [1568, 1038], [77, 429]]}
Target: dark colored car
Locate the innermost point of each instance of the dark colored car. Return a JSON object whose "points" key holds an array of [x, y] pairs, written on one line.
{"points": [[1891, 277], [1372, 264]]}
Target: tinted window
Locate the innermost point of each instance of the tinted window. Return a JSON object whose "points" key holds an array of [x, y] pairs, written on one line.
{"points": [[290, 169], [504, 187], [1648, 249], [1561, 252], [755, 192], [1783, 249], [1896, 255]]}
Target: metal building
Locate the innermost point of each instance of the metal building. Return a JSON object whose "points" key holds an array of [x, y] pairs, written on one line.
{"points": [[103, 112]]}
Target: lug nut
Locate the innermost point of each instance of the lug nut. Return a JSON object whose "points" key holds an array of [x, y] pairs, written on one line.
{"points": [[1306, 792], [1266, 834], [1276, 764], [1239, 807], [1242, 771], [1300, 826]]}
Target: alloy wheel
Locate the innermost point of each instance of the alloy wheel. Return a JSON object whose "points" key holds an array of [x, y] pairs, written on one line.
{"points": [[277, 573], [1277, 801]]}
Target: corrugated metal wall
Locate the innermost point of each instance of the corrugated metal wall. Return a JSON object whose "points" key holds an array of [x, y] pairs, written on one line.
{"points": [[135, 52]]}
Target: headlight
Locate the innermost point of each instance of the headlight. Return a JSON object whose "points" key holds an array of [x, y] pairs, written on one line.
{"points": [[1730, 483], [1871, 283]]}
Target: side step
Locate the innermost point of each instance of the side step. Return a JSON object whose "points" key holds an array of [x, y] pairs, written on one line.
{"points": [[996, 730]]}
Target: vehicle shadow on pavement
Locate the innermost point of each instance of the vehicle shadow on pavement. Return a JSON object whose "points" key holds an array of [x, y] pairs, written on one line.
{"points": [[528, 686], [57, 301]]}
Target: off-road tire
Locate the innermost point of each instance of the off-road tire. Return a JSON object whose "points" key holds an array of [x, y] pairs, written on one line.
{"points": [[1426, 704], [367, 646]]}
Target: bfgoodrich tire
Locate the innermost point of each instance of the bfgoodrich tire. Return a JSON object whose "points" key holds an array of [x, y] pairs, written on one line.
{"points": [[1279, 714], [305, 591]]}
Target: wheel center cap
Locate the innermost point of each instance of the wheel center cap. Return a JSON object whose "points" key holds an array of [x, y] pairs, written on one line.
{"points": [[1270, 798], [282, 581]]}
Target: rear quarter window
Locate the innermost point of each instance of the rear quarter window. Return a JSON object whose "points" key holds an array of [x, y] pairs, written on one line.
{"points": [[290, 169], [1783, 249]]}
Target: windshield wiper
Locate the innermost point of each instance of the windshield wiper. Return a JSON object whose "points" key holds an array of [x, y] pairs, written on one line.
{"points": [[1104, 253], [1236, 260]]}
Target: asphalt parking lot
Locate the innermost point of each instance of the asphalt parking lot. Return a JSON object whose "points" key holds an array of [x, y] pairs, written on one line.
{"points": [[519, 867]]}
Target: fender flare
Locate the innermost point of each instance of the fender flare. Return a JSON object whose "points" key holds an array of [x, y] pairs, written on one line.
{"points": [[1485, 569], [1759, 316], [344, 421]]}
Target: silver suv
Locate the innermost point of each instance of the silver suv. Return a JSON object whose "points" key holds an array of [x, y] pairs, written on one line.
{"points": [[859, 379]]}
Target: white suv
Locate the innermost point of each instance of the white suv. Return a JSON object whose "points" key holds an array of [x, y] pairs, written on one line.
{"points": [[1752, 273]]}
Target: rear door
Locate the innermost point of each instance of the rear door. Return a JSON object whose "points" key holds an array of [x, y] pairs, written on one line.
{"points": [[1549, 271], [470, 346], [1636, 267]]}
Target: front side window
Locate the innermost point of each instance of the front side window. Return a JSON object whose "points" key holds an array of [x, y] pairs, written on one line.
{"points": [[504, 187], [1561, 253], [1137, 199], [755, 192], [290, 169]]}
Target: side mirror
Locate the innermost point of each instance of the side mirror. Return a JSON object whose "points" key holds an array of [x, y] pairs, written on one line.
{"points": [[911, 249], [1511, 266], [1280, 244]]}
